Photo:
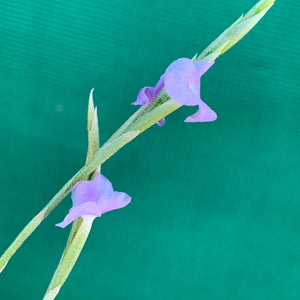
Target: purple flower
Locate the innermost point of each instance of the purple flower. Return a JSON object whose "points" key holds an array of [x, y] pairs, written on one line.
{"points": [[182, 83], [94, 198]]}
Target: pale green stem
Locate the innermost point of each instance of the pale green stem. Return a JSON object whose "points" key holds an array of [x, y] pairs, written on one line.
{"points": [[24, 234], [75, 225], [145, 117], [101, 156], [93, 147], [69, 258]]}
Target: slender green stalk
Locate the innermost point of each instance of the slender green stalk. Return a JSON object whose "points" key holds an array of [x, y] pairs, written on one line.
{"points": [[101, 156], [145, 117], [63, 271], [75, 226], [69, 257], [25, 233], [125, 126], [236, 31]]}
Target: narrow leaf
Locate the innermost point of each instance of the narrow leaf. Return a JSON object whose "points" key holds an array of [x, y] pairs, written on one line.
{"points": [[236, 31]]}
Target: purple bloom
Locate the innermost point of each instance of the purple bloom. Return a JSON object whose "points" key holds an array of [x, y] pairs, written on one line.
{"points": [[94, 198], [148, 93], [182, 83]]}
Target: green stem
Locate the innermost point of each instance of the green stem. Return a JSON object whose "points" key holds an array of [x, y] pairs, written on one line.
{"points": [[69, 258], [93, 147], [145, 117], [124, 127], [101, 156], [148, 114], [75, 226], [24, 234]]}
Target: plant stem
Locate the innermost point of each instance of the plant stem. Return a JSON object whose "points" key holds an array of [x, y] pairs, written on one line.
{"points": [[106, 151], [69, 257], [145, 117], [102, 155]]}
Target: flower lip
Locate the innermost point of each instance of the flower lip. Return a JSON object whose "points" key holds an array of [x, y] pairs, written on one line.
{"points": [[182, 80], [182, 83], [94, 198]]}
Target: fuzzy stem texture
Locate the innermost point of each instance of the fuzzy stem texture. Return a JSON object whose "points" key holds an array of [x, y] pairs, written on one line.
{"points": [[145, 117]]}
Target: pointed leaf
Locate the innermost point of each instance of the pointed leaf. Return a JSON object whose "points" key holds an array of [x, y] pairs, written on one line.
{"points": [[236, 31]]}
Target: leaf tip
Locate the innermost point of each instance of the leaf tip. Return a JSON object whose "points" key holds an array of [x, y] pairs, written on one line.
{"points": [[3, 268], [91, 109]]}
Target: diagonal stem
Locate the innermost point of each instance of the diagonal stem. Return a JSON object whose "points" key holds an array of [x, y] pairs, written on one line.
{"points": [[69, 257], [140, 121]]}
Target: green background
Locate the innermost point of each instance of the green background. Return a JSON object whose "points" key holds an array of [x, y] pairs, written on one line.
{"points": [[215, 206]]}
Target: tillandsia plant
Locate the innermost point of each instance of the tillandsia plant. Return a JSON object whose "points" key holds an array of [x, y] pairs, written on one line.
{"points": [[92, 193]]}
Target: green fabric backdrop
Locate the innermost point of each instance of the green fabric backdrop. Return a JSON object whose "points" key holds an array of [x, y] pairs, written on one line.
{"points": [[215, 207]]}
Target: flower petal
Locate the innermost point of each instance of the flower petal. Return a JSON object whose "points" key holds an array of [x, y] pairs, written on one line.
{"points": [[202, 66], [159, 85], [83, 209], [182, 82], [90, 190], [148, 93], [145, 95], [161, 122], [113, 200], [204, 114]]}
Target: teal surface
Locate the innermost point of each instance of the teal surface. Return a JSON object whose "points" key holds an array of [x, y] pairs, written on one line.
{"points": [[215, 206]]}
